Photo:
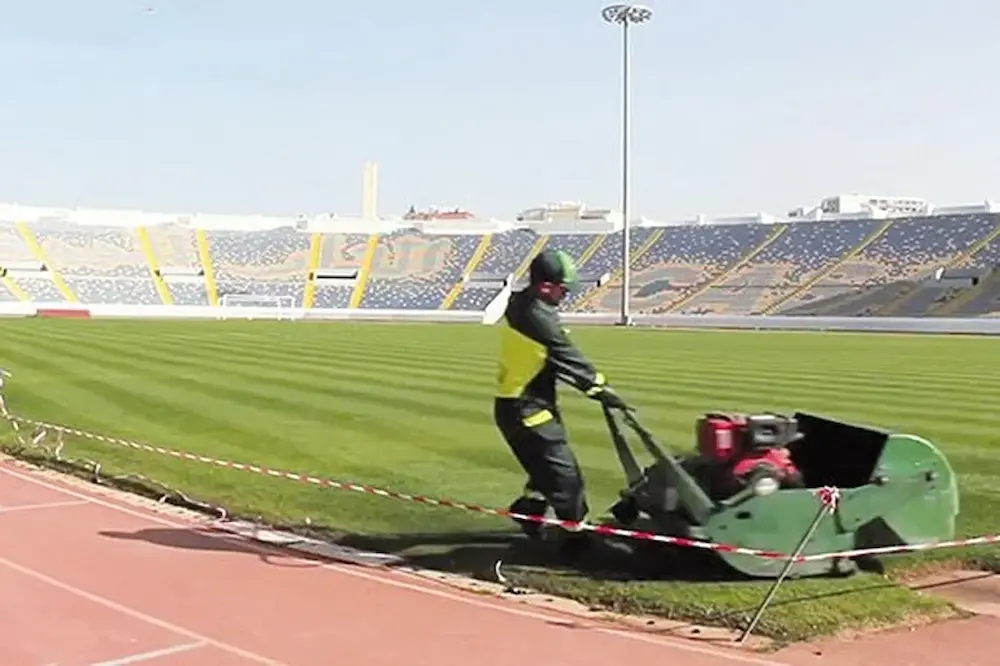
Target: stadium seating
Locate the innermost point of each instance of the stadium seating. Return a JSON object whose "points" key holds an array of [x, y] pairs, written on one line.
{"points": [[340, 252], [415, 271], [273, 263], [880, 266], [176, 247]]}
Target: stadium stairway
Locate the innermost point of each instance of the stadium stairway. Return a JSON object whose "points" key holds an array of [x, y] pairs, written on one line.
{"points": [[591, 250], [14, 288], [930, 298], [522, 270], [470, 268], [966, 256], [205, 255], [938, 302], [597, 292], [315, 252], [773, 306], [364, 272], [146, 244], [28, 236], [725, 273]]}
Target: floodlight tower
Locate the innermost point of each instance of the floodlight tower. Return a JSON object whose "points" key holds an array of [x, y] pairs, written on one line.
{"points": [[626, 15]]}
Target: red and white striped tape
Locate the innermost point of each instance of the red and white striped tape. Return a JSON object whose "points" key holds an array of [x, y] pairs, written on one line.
{"points": [[828, 497]]}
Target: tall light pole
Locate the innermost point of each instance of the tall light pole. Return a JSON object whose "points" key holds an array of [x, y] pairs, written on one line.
{"points": [[626, 15]]}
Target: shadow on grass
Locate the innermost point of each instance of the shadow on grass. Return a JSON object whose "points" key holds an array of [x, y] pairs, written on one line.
{"points": [[475, 554]]}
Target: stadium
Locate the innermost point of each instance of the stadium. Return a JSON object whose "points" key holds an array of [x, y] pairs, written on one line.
{"points": [[266, 422], [848, 256]]}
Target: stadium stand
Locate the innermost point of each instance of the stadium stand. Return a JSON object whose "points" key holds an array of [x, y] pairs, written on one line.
{"points": [[272, 262], [872, 261], [415, 271], [340, 252], [175, 249]]}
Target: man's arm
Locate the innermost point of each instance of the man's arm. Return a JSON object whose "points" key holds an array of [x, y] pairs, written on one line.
{"points": [[572, 366]]}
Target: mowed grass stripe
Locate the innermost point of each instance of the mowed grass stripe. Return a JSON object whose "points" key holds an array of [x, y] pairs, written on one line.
{"points": [[691, 396], [202, 394], [696, 392], [845, 378], [240, 380]]}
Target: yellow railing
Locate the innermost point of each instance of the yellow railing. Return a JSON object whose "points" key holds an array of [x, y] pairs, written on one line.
{"points": [[470, 267], [364, 272], [205, 254], [539, 245], [808, 284], [315, 252], [598, 292], [15, 288], [28, 236], [146, 244], [726, 273], [592, 249]]}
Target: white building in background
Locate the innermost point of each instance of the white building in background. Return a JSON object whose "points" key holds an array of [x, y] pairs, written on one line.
{"points": [[566, 210], [863, 205]]}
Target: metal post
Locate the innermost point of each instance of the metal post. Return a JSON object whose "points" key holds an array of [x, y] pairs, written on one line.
{"points": [[626, 177], [829, 499], [626, 15]]}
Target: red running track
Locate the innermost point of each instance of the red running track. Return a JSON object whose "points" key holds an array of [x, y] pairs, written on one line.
{"points": [[91, 580]]}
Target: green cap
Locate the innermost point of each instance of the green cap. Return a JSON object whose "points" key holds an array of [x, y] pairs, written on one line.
{"points": [[554, 266]]}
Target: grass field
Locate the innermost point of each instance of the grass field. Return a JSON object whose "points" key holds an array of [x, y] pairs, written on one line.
{"points": [[408, 407]]}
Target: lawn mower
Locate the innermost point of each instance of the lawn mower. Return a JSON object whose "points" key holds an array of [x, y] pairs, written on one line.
{"points": [[752, 480]]}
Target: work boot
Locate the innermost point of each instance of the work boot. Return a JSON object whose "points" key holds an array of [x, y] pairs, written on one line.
{"points": [[529, 506]]}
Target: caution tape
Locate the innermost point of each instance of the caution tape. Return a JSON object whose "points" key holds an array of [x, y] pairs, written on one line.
{"points": [[827, 496], [132, 480]]}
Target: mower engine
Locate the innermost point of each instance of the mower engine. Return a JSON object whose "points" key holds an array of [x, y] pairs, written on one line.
{"points": [[737, 451]]}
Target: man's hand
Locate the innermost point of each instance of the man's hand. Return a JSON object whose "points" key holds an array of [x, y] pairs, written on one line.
{"points": [[612, 400]]}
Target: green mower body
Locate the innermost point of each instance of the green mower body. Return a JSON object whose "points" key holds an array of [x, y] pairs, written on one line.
{"points": [[895, 490]]}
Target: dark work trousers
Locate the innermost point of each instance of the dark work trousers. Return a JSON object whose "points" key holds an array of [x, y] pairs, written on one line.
{"points": [[545, 455]]}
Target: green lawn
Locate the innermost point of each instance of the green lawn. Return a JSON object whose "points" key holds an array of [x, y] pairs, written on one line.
{"points": [[409, 407]]}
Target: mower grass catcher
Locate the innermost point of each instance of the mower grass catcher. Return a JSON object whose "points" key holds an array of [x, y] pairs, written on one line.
{"points": [[751, 483]]}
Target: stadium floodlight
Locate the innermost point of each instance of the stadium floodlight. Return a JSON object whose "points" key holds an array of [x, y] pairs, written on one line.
{"points": [[626, 15]]}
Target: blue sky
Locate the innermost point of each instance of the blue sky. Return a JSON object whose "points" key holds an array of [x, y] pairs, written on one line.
{"points": [[269, 106]]}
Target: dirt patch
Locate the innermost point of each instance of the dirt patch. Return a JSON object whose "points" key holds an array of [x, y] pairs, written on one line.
{"points": [[972, 591]]}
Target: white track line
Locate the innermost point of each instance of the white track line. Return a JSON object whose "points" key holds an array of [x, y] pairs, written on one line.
{"points": [[138, 615], [45, 505], [662, 641], [152, 654]]}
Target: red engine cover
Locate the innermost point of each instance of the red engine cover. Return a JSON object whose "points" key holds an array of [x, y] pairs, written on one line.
{"points": [[720, 436], [779, 459]]}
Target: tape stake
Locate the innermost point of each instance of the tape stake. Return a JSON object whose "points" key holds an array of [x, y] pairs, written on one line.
{"points": [[828, 498]]}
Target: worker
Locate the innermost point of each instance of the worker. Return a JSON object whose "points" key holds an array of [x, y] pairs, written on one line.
{"points": [[535, 351]]}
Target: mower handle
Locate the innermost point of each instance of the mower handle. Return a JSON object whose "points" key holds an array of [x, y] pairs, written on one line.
{"points": [[628, 416]]}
